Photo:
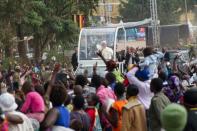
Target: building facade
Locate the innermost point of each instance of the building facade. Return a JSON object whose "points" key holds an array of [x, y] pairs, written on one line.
{"points": [[108, 11]]}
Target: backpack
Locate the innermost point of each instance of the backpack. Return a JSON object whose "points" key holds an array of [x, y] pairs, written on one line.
{"points": [[97, 124]]}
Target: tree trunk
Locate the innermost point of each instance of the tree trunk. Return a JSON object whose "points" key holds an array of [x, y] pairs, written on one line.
{"points": [[22, 50], [37, 51], [8, 51], [7, 40]]}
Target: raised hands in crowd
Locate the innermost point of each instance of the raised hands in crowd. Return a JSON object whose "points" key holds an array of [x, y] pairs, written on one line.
{"points": [[52, 97]]}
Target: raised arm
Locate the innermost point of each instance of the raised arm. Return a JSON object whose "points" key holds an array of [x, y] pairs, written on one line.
{"points": [[71, 74], [134, 80], [95, 69], [14, 119], [99, 53], [55, 71], [175, 68]]}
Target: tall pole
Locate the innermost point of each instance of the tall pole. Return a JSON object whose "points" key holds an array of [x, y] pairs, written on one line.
{"points": [[155, 23], [186, 12]]}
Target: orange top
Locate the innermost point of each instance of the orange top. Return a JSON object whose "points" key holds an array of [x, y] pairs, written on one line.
{"points": [[118, 105]]}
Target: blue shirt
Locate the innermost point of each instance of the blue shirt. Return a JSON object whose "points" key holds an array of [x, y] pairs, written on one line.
{"points": [[113, 85], [63, 118]]}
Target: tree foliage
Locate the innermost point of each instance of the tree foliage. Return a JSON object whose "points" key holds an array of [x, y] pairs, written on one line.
{"points": [[49, 21], [169, 11]]}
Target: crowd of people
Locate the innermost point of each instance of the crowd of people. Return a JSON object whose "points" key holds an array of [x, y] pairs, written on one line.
{"points": [[154, 94]]}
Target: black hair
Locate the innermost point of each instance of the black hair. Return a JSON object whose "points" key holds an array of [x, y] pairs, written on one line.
{"points": [[96, 81], [58, 95], [10, 90], [157, 84], [163, 76], [27, 87], [80, 80], [95, 98], [147, 51], [78, 90], [104, 82], [110, 77], [15, 85], [40, 90], [132, 90], [119, 89], [76, 125], [68, 100], [78, 102], [190, 97], [61, 77], [111, 65]]}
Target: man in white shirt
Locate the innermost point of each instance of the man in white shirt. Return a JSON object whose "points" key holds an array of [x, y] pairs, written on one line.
{"points": [[145, 95], [106, 51]]}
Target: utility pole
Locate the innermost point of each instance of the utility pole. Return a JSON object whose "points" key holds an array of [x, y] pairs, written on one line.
{"points": [[155, 23], [186, 12]]}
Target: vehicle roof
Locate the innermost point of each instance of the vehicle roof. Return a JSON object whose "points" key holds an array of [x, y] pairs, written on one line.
{"points": [[121, 24]]}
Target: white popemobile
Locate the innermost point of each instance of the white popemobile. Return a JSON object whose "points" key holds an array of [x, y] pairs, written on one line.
{"points": [[110, 40]]}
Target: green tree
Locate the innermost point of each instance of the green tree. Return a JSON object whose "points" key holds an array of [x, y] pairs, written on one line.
{"points": [[134, 10], [16, 14], [49, 21], [169, 11]]}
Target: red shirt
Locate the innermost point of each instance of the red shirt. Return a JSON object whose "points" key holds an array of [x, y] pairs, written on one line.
{"points": [[91, 114]]}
